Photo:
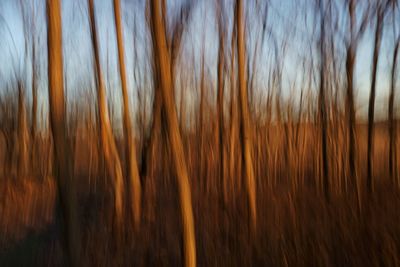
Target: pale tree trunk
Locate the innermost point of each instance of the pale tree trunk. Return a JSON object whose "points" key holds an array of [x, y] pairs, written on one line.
{"points": [[163, 66], [67, 202], [130, 146], [246, 134], [109, 147]]}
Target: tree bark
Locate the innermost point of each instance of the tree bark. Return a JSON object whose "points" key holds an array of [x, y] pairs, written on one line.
{"points": [[392, 121], [233, 114], [67, 202], [109, 148], [163, 67], [322, 109], [371, 107], [220, 100], [245, 130], [23, 134], [350, 110], [132, 170]]}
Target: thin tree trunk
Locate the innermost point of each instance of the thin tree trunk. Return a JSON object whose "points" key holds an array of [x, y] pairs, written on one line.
{"points": [[134, 187], [351, 117], [392, 121], [163, 65], [371, 107], [23, 134], [220, 101], [34, 100], [109, 148], [246, 135], [34, 79], [322, 109], [182, 110], [67, 202], [151, 142], [23, 131], [201, 120], [34, 107], [233, 113]]}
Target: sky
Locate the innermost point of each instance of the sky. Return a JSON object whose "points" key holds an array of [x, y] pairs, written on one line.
{"points": [[284, 20]]}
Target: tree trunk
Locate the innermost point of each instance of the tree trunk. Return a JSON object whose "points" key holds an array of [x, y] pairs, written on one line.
{"points": [[163, 66], [34, 108], [220, 102], [246, 135], [23, 134], [371, 107], [109, 148], [392, 121], [201, 121], [350, 110], [67, 202], [34, 95], [34, 78], [134, 186], [322, 110], [233, 115]]}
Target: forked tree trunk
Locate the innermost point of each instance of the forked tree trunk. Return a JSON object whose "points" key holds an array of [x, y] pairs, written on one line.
{"points": [[245, 130], [134, 187], [151, 142], [109, 147], [164, 79], [67, 203], [158, 109]]}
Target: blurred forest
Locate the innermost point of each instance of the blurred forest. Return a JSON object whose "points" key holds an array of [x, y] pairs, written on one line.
{"points": [[199, 132]]}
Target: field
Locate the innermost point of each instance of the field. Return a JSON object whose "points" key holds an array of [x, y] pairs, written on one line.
{"points": [[295, 225]]}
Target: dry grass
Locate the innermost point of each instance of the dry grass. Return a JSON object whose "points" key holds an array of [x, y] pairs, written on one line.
{"points": [[25, 205], [296, 227]]}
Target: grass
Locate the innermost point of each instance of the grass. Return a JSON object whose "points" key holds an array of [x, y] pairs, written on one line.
{"points": [[296, 227]]}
